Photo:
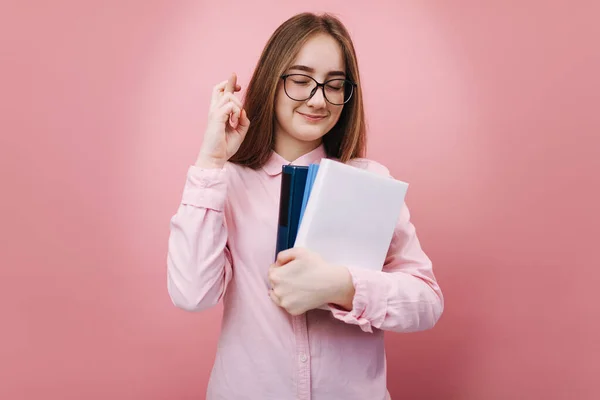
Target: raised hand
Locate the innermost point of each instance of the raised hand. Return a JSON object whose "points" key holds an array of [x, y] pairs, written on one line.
{"points": [[227, 125]]}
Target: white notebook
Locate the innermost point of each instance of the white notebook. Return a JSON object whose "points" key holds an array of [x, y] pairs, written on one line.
{"points": [[351, 215]]}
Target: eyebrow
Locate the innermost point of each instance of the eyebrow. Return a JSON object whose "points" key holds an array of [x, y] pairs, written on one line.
{"points": [[312, 70]]}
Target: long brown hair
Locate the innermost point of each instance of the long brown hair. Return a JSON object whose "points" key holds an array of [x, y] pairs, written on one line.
{"points": [[347, 139]]}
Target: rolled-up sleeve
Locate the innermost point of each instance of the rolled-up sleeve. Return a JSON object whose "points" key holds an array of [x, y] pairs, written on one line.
{"points": [[404, 296]]}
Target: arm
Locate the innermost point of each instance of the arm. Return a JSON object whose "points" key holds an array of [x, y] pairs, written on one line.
{"points": [[403, 297], [199, 265]]}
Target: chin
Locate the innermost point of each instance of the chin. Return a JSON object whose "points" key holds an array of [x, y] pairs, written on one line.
{"points": [[309, 134]]}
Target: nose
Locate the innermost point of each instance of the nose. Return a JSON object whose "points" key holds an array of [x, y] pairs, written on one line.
{"points": [[318, 99]]}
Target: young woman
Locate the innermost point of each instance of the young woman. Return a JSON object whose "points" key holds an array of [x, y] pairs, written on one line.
{"points": [[302, 104]]}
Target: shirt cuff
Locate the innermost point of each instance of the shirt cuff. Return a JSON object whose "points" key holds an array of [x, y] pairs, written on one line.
{"points": [[369, 306], [205, 188]]}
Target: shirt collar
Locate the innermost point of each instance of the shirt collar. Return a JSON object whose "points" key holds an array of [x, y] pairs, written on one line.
{"points": [[276, 162]]}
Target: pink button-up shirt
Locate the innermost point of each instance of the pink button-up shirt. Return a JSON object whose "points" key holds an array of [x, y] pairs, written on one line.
{"points": [[222, 242]]}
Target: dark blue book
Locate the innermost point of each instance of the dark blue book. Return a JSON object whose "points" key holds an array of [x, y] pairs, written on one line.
{"points": [[293, 183]]}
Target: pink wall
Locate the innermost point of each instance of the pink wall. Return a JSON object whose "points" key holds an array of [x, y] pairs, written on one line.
{"points": [[490, 111]]}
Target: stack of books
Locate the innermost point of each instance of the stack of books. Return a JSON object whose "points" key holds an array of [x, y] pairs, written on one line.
{"points": [[344, 213]]}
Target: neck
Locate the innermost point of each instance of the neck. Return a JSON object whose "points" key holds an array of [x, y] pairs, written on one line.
{"points": [[292, 149]]}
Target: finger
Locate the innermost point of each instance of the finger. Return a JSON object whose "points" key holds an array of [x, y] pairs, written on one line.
{"points": [[219, 90], [274, 297], [287, 256], [244, 122], [234, 117], [231, 83], [243, 125], [225, 112], [271, 276], [229, 97]]}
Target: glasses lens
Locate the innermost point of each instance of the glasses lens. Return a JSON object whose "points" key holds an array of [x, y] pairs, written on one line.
{"points": [[338, 91], [301, 87]]}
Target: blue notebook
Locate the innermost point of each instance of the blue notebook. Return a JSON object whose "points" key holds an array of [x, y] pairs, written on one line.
{"points": [[310, 180], [293, 182]]}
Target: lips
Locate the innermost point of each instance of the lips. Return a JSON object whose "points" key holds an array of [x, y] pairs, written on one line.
{"points": [[312, 116]]}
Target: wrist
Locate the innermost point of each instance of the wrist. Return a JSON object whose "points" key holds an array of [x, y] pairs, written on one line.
{"points": [[209, 162], [343, 292]]}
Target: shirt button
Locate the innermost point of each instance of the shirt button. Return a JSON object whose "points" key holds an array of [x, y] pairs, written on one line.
{"points": [[303, 357]]}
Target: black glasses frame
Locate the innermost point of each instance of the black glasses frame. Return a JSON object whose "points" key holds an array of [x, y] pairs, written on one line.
{"points": [[319, 85]]}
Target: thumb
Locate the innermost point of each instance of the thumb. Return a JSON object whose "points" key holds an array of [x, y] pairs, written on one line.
{"points": [[287, 256], [243, 123]]}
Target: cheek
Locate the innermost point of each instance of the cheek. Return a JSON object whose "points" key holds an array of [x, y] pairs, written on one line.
{"points": [[336, 115], [284, 109], [282, 101], [280, 110]]}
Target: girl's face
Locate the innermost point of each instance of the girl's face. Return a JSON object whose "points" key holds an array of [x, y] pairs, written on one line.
{"points": [[305, 122]]}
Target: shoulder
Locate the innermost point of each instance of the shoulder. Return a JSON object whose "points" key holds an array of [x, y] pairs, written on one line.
{"points": [[236, 171], [242, 176], [369, 165]]}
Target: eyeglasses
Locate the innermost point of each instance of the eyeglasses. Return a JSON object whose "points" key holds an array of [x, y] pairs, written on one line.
{"points": [[300, 87]]}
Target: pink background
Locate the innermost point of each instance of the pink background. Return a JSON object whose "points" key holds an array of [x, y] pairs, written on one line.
{"points": [[489, 109]]}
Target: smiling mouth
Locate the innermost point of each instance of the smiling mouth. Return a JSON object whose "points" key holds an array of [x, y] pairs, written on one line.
{"points": [[312, 117]]}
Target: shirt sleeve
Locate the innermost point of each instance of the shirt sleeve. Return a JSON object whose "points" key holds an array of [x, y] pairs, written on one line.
{"points": [[404, 296], [199, 264]]}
